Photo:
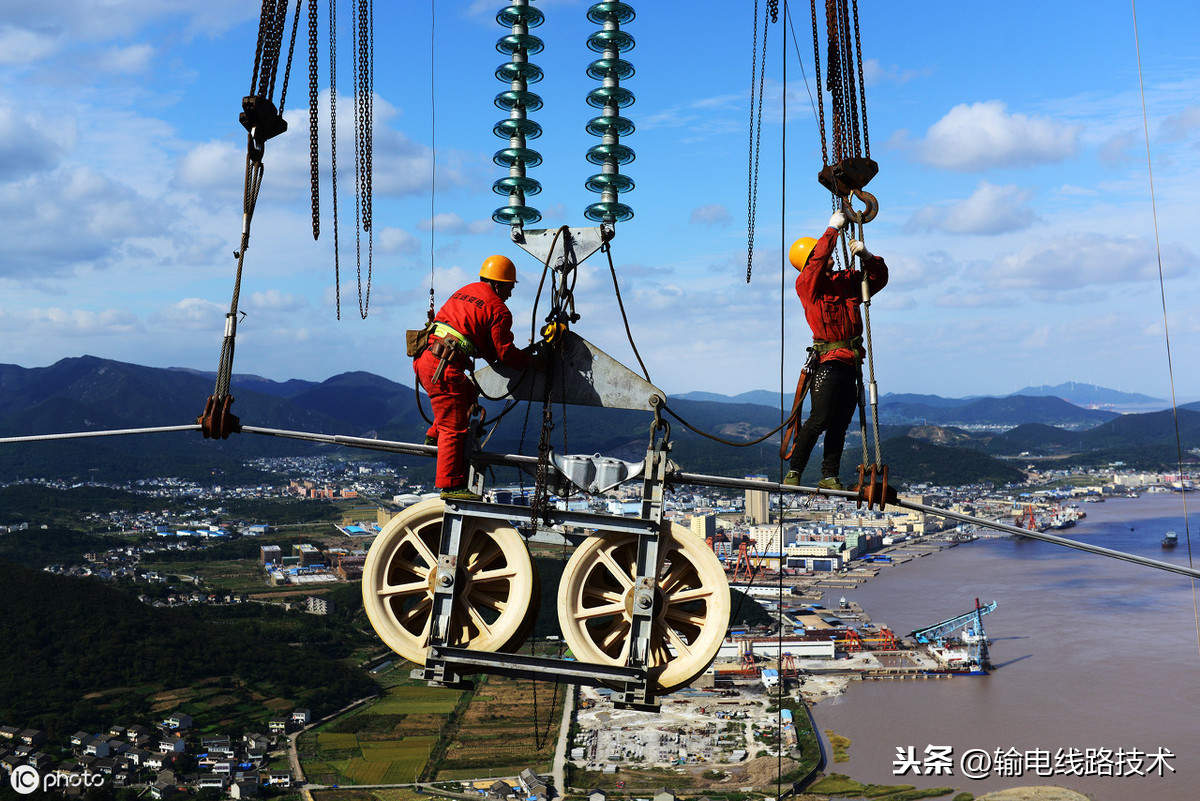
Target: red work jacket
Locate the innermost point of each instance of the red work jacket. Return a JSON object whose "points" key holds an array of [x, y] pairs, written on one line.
{"points": [[831, 298], [478, 313]]}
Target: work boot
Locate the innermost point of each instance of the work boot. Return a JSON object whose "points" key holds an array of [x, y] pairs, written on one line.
{"points": [[831, 483], [460, 494], [792, 479], [430, 439]]}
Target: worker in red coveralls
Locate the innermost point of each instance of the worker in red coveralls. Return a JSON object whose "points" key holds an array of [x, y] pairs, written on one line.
{"points": [[473, 323], [831, 300]]}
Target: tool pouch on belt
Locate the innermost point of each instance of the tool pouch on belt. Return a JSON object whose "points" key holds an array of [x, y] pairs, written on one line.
{"points": [[418, 340], [447, 352]]}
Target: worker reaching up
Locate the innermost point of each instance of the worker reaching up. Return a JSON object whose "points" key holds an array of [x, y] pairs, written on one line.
{"points": [[831, 299], [473, 323]]}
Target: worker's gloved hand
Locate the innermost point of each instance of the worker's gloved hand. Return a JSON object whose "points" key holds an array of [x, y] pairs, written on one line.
{"points": [[857, 248], [538, 362], [838, 220]]}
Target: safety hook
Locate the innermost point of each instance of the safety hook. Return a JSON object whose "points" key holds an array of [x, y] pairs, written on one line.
{"points": [[867, 214]]}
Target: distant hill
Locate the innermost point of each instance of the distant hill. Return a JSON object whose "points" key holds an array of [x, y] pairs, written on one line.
{"points": [[92, 394], [1007, 412], [1091, 395]]}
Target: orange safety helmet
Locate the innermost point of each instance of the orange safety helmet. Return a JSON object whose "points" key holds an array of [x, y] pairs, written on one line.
{"points": [[499, 268], [800, 250]]}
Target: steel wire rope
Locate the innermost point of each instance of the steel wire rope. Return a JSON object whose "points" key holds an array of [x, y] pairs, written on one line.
{"points": [[432, 148], [1166, 330], [782, 386]]}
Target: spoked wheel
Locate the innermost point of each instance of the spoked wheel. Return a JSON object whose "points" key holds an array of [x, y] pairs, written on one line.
{"points": [[691, 605], [495, 584]]}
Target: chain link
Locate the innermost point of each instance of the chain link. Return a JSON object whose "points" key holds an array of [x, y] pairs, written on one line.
{"points": [[337, 277], [314, 161], [364, 80], [756, 131]]}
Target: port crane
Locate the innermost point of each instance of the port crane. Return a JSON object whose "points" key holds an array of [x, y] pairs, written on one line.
{"points": [[975, 638]]}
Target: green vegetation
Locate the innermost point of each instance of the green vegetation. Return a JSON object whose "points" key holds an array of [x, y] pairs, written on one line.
{"points": [[840, 746], [50, 546], [115, 657], [836, 784]]}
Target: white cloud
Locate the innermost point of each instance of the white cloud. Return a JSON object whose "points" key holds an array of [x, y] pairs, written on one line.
{"points": [[1077, 262], [275, 301], [75, 217], [27, 145], [132, 59], [875, 73], [451, 223], [57, 322], [20, 47], [397, 240], [1180, 126], [192, 314], [217, 165], [1116, 150], [985, 135], [990, 210], [711, 214]]}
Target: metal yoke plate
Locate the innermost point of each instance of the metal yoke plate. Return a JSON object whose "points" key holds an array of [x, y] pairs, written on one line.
{"points": [[583, 375]]}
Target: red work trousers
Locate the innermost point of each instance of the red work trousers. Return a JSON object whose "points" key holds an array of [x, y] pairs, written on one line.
{"points": [[451, 397]]}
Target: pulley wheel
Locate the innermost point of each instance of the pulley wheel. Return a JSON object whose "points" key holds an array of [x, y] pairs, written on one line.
{"points": [[496, 587], [690, 613]]}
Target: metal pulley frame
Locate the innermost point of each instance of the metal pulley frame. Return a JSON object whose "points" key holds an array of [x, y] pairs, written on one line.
{"points": [[643, 606]]}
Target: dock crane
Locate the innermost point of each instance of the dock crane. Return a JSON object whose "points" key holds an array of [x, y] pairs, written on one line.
{"points": [[975, 638]]}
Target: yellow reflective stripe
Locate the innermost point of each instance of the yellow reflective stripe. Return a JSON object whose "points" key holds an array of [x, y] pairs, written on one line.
{"points": [[446, 332]]}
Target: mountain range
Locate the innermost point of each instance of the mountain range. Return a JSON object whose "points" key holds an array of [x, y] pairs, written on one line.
{"points": [[941, 435]]}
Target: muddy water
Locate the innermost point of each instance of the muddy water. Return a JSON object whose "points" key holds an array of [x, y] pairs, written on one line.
{"points": [[1095, 657]]}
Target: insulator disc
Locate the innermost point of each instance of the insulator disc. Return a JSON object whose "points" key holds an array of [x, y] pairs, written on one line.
{"points": [[610, 124], [529, 16], [601, 13], [610, 40], [520, 41], [621, 154], [512, 215], [517, 126], [608, 212], [602, 68], [606, 180], [519, 70], [516, 183], [524, 155], [602, 96], [515, 97]]}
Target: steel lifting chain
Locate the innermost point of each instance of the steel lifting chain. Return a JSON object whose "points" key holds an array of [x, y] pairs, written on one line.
{"points": [[757, 74], [337, 269], [314, 162], [364, 86]]}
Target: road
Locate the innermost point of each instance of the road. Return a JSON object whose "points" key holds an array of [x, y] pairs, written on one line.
{"points": [[558, 773]]}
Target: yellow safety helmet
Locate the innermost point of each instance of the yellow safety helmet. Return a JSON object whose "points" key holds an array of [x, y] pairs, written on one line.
{"points": [[800, 250], [499, 268]]}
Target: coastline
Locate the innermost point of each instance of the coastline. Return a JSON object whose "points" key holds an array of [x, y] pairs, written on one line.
{"points": [[1058, 683]]}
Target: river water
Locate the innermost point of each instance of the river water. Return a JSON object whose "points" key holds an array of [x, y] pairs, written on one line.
{"points": [[1094, 656]]}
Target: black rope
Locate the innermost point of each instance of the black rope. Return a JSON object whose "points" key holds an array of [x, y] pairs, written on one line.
{"points": [[624, 319], [723, 441]]}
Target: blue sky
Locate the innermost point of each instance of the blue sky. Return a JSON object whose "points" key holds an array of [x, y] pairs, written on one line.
{"points": [[1015, 204]]}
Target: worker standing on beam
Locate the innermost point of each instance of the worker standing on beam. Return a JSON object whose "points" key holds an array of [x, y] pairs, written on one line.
{"points": [[831, 301], [473, 323]]}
